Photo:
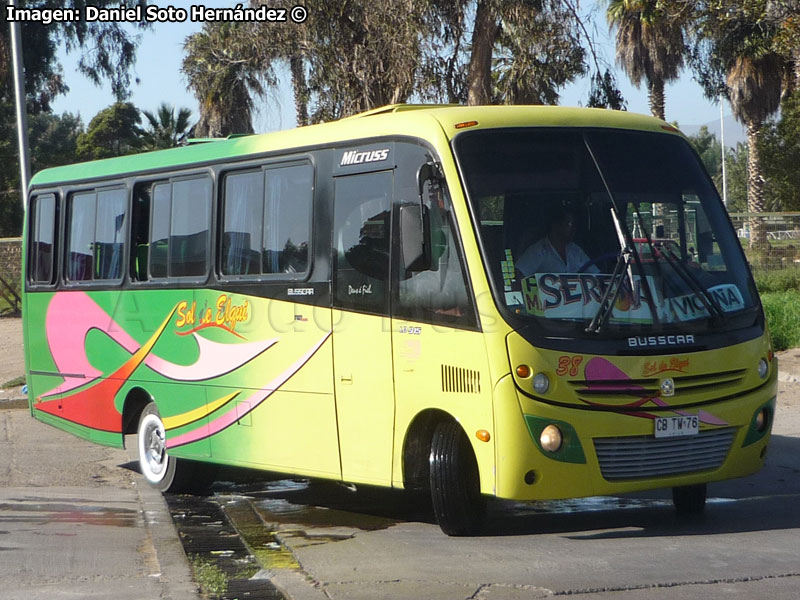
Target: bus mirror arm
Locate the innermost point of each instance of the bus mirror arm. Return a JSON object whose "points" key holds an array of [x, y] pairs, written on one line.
{"points": [[415, 239]]}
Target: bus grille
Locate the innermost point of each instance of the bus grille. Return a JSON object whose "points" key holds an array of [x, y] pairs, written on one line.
{"points": [[645, 456], [686, 386]]}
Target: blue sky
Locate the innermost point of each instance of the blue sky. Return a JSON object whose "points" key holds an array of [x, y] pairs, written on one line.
{"points": [[160, 54]]}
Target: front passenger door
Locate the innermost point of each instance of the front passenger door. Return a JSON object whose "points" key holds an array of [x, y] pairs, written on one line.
{"points": [[362, 339]]}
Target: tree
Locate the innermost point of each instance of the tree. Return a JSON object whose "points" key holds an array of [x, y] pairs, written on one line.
{"points": [[353, 56], [780, 149], [736, 161], [356, 56], [53, 140], [735, 56], [108, 52], [650, 45], [114, 131], [710, 150], [538, 52], [226, 68], [164, 128], [784, 14], [519, 52]]}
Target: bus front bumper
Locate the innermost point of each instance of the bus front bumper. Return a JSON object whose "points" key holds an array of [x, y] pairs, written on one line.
{"points": [[606, 453]]}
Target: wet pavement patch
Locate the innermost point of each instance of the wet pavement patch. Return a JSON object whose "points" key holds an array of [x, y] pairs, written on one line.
{"points": [[298, 505], [221, 562], [43, 512]]}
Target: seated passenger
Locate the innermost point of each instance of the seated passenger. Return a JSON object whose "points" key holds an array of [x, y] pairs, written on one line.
{"points": [[555, 252]]}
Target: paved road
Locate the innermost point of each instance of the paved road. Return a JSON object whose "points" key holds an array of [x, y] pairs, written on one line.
{"points": [[354, 546], [76, 523]]}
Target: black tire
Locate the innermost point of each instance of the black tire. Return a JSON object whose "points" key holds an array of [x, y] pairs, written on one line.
{"points": [[162, 471], [689, 499], [455, 482]]}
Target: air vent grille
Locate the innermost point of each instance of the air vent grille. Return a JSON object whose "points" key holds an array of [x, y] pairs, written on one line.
{"points": [[461, 381]]}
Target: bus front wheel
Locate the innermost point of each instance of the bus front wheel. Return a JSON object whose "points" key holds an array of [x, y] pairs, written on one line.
{"points": [[455, 482], [689, 499]]}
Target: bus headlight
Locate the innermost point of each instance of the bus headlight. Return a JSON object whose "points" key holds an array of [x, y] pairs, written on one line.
{"points": [[541, 383], [551, 438], [763, 368]]}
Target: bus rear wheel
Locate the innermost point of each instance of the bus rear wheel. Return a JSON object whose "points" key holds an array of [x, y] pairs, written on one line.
{"points": [[155, 463], [164, 472], [689, 499], [455, 482]]}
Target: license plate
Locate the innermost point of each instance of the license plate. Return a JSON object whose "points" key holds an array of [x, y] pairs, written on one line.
{"points": [[677, 426]]}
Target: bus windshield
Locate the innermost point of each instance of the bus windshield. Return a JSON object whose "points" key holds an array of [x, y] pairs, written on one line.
{"points": [[604, 231]]}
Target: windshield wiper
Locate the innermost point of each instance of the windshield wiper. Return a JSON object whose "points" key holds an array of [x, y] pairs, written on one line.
{"points": [[708, 300], [608, 300], [627, 252]]}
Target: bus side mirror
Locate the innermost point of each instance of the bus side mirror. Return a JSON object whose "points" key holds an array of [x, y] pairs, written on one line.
{"points": [[415, 239], [430, 171], [705, 245]]}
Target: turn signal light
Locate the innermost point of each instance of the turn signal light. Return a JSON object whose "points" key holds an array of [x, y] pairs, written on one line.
{"points": [[524, 371], [465, 124], [483, 435]]}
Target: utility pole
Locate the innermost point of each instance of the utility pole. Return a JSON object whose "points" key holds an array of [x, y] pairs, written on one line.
{"points": [[22, 118], [722, 137]]}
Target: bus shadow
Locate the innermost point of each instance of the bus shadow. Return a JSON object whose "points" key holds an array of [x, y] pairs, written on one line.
{"points": [[761, 502]]}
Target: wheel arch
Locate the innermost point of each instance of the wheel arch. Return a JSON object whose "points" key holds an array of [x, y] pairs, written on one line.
{"points": [[417, 447], [135, 401]]}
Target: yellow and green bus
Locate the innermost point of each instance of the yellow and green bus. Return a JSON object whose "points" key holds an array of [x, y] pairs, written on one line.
{"points": [[516, 302]]}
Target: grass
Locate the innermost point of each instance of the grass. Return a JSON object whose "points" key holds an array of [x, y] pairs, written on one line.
{"points": [[783, 316], [210, 578], [780, 295], [778, 280], [18, 381]]}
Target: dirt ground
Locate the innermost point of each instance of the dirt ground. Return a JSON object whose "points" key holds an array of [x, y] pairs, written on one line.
{"points": [[12, 358]]}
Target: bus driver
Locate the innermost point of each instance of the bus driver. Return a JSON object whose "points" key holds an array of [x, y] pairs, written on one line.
{"points": [[555, 252]]}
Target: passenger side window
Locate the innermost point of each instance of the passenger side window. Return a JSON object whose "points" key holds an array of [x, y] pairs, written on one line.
{"points": [[180, 223], [190, 227], [287, 218], [43, 235], [267, 221], [96, 235]]}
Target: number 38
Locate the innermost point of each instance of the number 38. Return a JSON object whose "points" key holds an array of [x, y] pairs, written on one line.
{"points": [[568, 365]]}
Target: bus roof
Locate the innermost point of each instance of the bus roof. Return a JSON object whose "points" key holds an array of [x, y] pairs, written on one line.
{"points": [[388, 120]]}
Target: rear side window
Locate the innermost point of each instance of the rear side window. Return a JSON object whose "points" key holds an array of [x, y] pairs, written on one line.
{"points": [[42, 251], [96, 231], [267, 221]]}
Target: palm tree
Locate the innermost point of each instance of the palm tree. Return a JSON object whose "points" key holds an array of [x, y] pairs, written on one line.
{"points": [[225, 72], [165, 129], [754, 89], [650, 46]]}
